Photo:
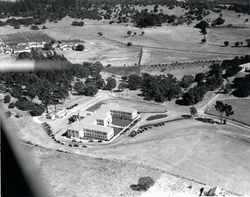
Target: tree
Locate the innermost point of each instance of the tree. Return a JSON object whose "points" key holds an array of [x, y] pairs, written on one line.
{"points": [[134, 82], [226, 43], [223, 108], [111, 83], [17, 27], [100, 34], [186, 81], [79, 47], [129, 33], [204, 32], [6, 99], [218, 21], [79, 87], [124, 78], [129, 44], [202, 25], [199, 77], [121, 86], [11, 105], [193, 111], [34, 27], [236, 44], [47, 46], [90, 89]]}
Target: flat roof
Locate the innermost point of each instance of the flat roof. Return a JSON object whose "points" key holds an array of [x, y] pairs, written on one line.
{"points": [[107, 107], [81, 125]]}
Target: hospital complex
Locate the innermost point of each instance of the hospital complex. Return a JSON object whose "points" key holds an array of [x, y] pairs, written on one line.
{"points": [[99, 124]]}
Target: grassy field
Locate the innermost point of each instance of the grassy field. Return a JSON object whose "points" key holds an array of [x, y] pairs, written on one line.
{"points": [[22, 37], [165, 44], [75, 175], [240, 107], [216, 155]]}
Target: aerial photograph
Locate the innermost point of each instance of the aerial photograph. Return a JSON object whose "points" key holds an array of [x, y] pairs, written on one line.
{"points": [[125, 98]]}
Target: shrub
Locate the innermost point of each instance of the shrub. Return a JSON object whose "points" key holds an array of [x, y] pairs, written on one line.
{"points": [[6, 99], [144, 183], [37, 110], [34, 27], [79, 47], [129, 44], [226, 43]]}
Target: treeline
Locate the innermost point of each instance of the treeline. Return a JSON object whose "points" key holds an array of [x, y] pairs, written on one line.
{"points": [[51, 10], [157, 88], [54, 10], [190, 89], [213, 80], [145, 18], [35, 90]]}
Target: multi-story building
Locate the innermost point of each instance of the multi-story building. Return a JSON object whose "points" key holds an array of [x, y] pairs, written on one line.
{"points": [[90, 130], [123, 112], [99, 124]]}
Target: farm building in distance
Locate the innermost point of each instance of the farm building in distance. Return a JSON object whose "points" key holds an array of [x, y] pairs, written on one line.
{"points": [[99, 125], [245, 67], [25, 41]]}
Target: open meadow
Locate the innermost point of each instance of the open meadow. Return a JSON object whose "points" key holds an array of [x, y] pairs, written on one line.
{"points": [[166, 44], [170, 145], [75, 175], [216, 155]]}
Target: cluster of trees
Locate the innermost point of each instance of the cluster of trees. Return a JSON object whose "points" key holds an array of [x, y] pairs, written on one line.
{"points": [[203, 25], [55, 10], [205, 82], [157, 88], [218, 21], [76, 23], [148, 19], [51, 10], [241, 86], [223, 108], [241, 8], [22, 21], [232, 67], [50, 86]]}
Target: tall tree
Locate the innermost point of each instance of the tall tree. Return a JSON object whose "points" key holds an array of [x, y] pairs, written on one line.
{"points": [[223, 108], [193, 111]]}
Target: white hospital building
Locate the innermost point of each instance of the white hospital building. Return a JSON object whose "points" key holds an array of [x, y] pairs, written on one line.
{"points": [[99, 124]]}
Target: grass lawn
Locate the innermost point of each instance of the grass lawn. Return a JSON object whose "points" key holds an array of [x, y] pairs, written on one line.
{"points": [[240, 107], [158, 116], [95, 107], [117, 130], [120, 122]]}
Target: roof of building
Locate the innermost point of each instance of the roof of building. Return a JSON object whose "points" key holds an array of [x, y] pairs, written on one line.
{"points": [[107, 107], [81, 125]]}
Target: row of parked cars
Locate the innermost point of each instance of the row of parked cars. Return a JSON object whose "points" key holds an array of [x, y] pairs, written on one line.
{"points": [[130, 126], [145, 128], [47, 128], [72, 106]]}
